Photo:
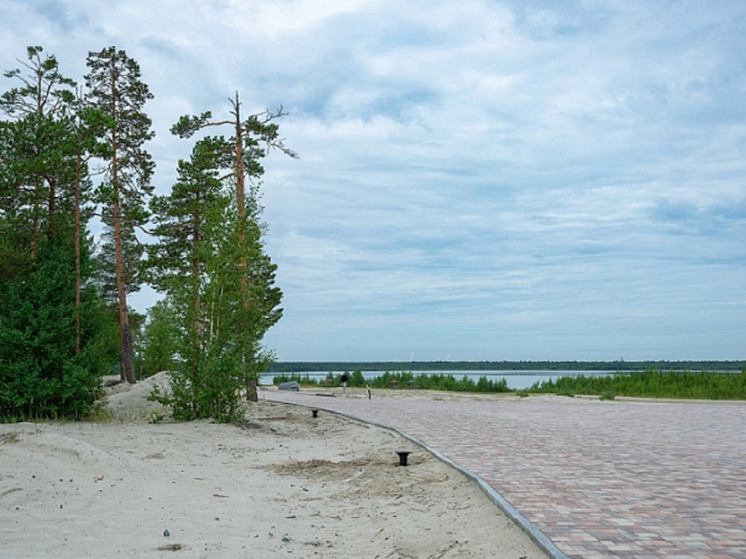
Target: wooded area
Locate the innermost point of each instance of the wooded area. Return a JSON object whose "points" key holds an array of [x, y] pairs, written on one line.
{"points": [[73, 159]]}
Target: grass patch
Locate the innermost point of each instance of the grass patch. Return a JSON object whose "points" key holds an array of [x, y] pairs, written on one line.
{"points": [[651, 383]]}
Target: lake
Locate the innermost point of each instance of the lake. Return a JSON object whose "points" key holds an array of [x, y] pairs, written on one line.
{"points": [[516, 380]]}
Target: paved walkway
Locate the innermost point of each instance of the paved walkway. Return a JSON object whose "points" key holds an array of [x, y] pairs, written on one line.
{"points": [[599, 479]]}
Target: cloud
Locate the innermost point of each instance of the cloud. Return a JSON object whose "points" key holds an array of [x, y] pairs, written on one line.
{"points": [[489, 179]]}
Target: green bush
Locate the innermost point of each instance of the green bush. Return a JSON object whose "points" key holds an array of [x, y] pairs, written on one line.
{"points": [[357, 379], [215, 390], [439, 381], [41, 376], [653, 384]]}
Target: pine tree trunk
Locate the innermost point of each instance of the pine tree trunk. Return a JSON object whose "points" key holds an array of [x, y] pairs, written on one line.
{"points": [[127, 359], [241, 203], [125, 340], [197, 330], [78, 165], [241, 210]]}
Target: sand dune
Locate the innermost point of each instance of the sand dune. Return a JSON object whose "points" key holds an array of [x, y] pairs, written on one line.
{"points": [[282, 484]]}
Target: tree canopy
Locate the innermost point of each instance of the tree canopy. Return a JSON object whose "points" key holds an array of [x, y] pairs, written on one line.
{"points": [[75, 156]]}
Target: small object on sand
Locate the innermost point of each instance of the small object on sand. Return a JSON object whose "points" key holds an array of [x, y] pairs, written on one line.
{"points": [[403, 456], [166, 533], [99, 477], [315, 413]]}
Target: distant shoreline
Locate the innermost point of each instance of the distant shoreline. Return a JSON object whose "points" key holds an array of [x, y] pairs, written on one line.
{"points": [[326, 366]]}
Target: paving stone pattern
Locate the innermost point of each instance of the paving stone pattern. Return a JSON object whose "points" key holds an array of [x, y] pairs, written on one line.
{"points": [[600, 479]]}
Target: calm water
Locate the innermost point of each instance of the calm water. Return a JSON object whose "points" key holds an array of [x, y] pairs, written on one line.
{"points": [[516, 379]]}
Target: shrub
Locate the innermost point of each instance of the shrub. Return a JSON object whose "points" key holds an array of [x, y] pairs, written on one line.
{"points": [[41, 376], [653, 383]]}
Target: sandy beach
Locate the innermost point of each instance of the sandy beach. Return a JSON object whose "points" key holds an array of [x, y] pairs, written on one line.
{"points": [[282, 484]]}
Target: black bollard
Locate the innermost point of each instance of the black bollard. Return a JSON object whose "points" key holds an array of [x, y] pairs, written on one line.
{"points": [[403, 457]]}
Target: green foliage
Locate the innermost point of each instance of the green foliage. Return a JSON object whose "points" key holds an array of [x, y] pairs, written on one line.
{"points": [[117, 92], [40, 374], [438, 382], [209, 260], [44, 90], [214, 390], [161, 340], [36, 183], [219, 282], [54, 329], [132, 252], [357, 379], [405, 379], [653, 383]]}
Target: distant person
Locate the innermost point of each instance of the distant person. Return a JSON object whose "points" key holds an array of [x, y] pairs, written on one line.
{"points": [[343, 378]]}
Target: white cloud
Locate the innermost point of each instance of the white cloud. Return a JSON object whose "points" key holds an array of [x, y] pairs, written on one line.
{"points": [[496, 180]]}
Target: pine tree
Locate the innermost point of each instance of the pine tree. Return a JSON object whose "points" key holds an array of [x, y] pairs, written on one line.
{"points": [[52, 329], [251, 140], [88, 126], [177, 261], [116, 89], [210, 262], [37, 172]]}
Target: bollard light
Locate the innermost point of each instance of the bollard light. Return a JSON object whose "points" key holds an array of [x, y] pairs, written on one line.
{"points": [[403, 456]]}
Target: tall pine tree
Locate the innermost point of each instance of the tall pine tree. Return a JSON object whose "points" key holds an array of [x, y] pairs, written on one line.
{"points": [[251, 139], [178, 261], [210, 262], [116, 89], [52, 346], [36, 161]]}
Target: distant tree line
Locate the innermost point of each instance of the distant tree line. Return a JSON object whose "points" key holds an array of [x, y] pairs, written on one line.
{"points": [[75, 155], [301, 366]]}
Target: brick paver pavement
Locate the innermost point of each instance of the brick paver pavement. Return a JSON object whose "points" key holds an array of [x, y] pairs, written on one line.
{"points": [[600, 479]]}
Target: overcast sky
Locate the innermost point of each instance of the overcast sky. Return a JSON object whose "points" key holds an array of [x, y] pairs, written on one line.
{"points": [[478, 180]]}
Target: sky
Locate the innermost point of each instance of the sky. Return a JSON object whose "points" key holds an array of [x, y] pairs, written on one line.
{"points": [[478, 180]]}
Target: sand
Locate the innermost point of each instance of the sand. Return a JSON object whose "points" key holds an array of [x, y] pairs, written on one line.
{"points": [[282, 484]]}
